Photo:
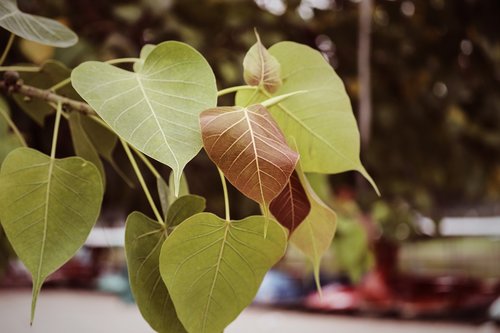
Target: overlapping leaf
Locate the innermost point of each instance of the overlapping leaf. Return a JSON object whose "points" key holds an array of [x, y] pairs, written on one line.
{"points": [[35, 28], [155, 109], [184, 207], [261, 68], [292, 205], [47, 208], [247, 145], [213, 268], [143, 240], [321, 120]]}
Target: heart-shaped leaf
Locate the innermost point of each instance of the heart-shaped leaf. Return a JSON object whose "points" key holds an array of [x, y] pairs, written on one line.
{"points": [[184, 207], [213, 268], [292, 205], [47, 208], [321, 120], [143, 240], [315, 234], [35, 28], [247, 145], [261, 68], [155, 109]]}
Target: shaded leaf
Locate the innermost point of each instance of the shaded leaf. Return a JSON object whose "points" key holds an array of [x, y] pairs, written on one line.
{"points": [[247, 145], [143, 240], [213, 268], [292, 205], [315, 234], [321, 120], [155, 109], [261, 68], [183, 187], [47, 209], [163, 194], [8, 141], [184, 207], [35, 28]]}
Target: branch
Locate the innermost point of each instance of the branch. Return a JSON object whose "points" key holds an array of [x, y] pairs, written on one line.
{"points": [[12, 84]]}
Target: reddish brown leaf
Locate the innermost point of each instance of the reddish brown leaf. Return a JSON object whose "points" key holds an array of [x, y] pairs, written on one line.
{"points": [[247, 145], [291, 206]]}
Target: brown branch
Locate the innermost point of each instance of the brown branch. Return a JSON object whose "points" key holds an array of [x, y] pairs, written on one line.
{"points": [[18, 87]]}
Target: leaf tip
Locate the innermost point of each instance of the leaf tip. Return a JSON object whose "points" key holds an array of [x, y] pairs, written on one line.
{"points": [[367, 176]]}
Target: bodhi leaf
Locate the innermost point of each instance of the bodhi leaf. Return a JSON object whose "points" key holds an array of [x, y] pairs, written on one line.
{"points": [[163, 195], [261, 68], [321, 120], [213, 268], [247, 145], [184, 207], [145, 51], [35, 28], [292, 205], [47, 209], [155, 109], [315, 234], [8, 141], [183, 188], [143, 240]]}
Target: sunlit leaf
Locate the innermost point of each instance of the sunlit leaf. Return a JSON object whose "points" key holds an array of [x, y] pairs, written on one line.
{"points": [[292, 205], [261, 68], [321, 120], [145, 51], [213, 268], [247, 145], [47, 208], [315, 234], [143, 240], [155, 109], [35, 28], [184, 207]]}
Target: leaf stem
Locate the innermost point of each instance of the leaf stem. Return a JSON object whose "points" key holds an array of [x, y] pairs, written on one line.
{"points": [[59, 85], [142, 182], [278, 99], [235, 89], [7, 48], [122, 60], [226, 196], [147, 162], [19, 68], [56, 130], [12, 125]]}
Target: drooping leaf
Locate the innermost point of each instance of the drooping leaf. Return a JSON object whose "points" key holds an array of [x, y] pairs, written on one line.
{"points": [[184, 207], [35, 28], [183, 187], [213, 268], [155, 109], [261, 68], [145, 51], [143, 240], [50, 73], [321, 120], [292, 205], [315, 234], [163, 194], [47, 209], [247, 145], [83, 145]]}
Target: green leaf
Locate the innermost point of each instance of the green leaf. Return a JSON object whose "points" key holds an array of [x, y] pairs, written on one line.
{"points": [[8, 141], [315, 234], [163, 194], [247, 145], [292, 205], [50, 73], [261, 68], [184, 207], [156, 109], [47, 208], [35, 28], [143, 240], [321, 120], [183, 188], [145, 51], [213, 268], [83, 145]]}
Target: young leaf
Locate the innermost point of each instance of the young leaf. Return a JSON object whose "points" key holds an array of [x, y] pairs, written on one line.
{"points": [[315, 234], [35, 28], [247, 145], [155, 109], [261, 68], [143, 240], [82, 144], [321, 120], [213, 268], [292, 205], [184, 207], [47, 208]]}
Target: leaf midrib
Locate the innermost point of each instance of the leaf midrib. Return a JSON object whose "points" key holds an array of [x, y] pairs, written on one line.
{"points": [[247, 118]]}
